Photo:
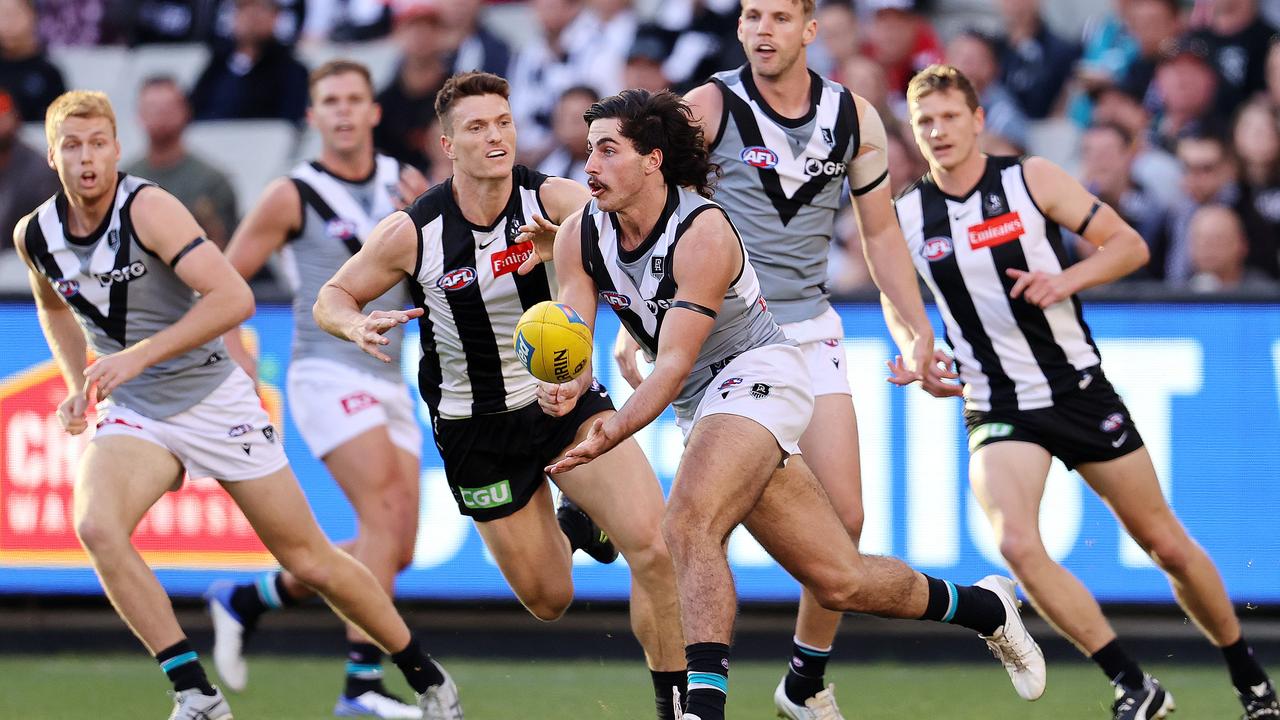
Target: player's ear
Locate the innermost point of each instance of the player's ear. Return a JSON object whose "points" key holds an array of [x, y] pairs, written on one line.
{"points": [[810, 31], [653, 162], [446, 143], [377, 114], [979, 120]]}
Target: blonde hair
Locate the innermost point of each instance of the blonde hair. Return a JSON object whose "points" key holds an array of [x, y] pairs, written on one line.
{"points": [[940, 78], [77, 103]]}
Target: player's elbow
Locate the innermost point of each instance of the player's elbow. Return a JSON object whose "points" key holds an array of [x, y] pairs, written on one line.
{"points": [[242, 304], [1141, 253]]}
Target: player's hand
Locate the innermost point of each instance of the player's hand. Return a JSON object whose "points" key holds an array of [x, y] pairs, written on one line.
{"points": [[542, 233], [412, 184], [597, 443], [625, 349], [934, 380], [370, 333], [111, 371], [71, 411], [1039, 288], [559, 399]]}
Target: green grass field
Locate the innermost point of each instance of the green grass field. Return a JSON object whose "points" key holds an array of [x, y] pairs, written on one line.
{"points": [[82, 687]]}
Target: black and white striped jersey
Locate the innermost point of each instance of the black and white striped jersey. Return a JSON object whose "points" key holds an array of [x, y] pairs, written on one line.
{"points": [[1010, 353], [466, 281]]}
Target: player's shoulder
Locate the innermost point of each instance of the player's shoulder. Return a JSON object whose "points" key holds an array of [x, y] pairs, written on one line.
{"points": [[1037, 172], [431, 204]]}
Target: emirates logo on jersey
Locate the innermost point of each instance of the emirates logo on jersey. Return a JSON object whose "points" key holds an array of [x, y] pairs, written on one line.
{"points": [[996, 231], [506, 261], [936, 248]]}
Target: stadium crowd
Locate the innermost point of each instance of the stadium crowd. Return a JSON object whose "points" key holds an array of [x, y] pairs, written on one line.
{"points": [[1172, 109]]}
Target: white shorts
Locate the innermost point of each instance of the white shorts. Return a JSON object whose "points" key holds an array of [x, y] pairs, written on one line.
{"points": [[821, 339], [769, 385], [331, 403], [226, 436]]}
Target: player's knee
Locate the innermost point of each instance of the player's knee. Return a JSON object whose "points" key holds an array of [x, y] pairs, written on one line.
{"points": [[1021, 548], [852, 519], [684, 529], [548, 604], [99, 535], [309, 566], [841, 595], [1170, 551], [648, 557]]}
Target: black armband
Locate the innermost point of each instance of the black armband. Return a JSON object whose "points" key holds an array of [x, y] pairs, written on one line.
{"points": [[183, 252], [694, 307], [1097, 204]]}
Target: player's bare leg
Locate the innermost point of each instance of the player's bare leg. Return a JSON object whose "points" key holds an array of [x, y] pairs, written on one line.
{"points": [[278, 511], [1130, 487], [1008, 479], [622, 495], [830, 448], [534, 555]]}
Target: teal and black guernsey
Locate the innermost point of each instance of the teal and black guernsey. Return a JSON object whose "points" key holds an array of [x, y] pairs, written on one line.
{"points": [[782, 183], [123, 293], [337, 217], [640, 286]]}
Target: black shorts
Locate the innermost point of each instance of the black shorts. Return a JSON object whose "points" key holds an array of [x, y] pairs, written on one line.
{"points": [[1089, 425], [494, 462]]}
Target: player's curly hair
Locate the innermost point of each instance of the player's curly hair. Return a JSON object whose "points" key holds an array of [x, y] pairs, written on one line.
{"points": [[664, 122]]}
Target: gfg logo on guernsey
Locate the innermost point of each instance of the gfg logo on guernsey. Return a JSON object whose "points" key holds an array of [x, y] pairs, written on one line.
{"points": [[759, 157], [488, 496], [617, 301], [456, 279], [814, 167], [936, 248], [132, 271]]}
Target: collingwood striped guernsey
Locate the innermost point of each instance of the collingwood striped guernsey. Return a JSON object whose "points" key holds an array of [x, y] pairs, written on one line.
{"points": [[640, 286], [122, 293], [1010, 353], [336, 217], [466, 281]]}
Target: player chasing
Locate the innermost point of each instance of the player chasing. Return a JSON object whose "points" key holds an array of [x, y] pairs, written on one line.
{"points": [[118, 259], [785, 202], [354, 412], [461, 243], [986, 235], [673, 268]]}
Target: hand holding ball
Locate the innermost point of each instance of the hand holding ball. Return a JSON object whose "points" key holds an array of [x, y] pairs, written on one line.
{"points": [[553, 342]]}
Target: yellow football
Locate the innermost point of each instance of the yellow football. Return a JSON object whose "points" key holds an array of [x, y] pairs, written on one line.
{"points": [[553, 342]]}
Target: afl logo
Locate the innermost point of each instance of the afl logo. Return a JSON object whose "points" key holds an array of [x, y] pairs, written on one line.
{"points": [[67, 287], [1112, 422], [759, 157], [457, 279], [617, 301], [936, 248], [340, 229]]}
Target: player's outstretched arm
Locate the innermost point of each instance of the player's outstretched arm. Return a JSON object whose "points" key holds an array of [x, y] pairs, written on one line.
{"points": [[391, 252], [883, 245], [561, 197], [577, 289], [168, 230], [65, 338], [1121, 250], [707, 259]]}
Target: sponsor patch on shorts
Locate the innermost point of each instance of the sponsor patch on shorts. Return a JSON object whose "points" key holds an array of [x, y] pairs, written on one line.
{"points": [[488, 496], [988, 431]]}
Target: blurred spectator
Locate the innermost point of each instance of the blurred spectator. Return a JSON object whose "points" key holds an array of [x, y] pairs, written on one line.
{"points": [[1238, 40], [568, 159], [540, 71], [32, 81], [287, 27], [901, 40], [1185, 84], [1034, 63], [1155, 25], [168, 21], [703, 36], [644, 66], [1218, 250], [66, 23], [164, 114], [474, 47], [440, 167], [975, 55], [906, 164], [347, 20], [838, 39], [865, 77], [25, 177], [1256, 141], [1209, 178], [1107, 152], [408, 102], [1273, 73], [1156, 170], [1109, 46], [253, 75], [600, 38]]}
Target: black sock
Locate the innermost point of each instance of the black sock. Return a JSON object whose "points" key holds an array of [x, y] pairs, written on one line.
{"points": [[805, 676], [1119, 668], [364, 670], [1244, 668], [708, 679], [417, 667], [663, 682], [267, 592], [964, 605], [576, 527], [183, 667]]}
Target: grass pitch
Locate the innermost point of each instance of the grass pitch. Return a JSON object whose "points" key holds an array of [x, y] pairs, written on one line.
{"points": [[130, 686]]}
